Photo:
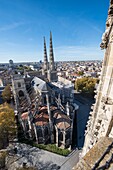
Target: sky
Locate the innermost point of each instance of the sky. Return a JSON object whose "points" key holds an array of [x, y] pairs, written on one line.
{"points": [[77, 27]]}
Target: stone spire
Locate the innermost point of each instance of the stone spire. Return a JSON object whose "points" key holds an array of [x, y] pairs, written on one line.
{"points": [[51, 55], [45, 56]]}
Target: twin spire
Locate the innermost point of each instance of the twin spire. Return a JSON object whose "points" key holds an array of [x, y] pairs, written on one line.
{"points": [[51, 65]]}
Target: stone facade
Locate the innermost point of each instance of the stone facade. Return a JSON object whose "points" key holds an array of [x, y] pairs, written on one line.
{"points": [[100, 123], [20, 92]]}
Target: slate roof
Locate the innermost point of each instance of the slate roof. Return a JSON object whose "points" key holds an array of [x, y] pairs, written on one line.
{"points": [[41, 119], [62, 121], [40, 85], [24, 116]]}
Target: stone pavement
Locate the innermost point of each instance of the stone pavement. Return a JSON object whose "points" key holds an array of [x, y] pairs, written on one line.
{"points": [[42, 159], [71, 160]]}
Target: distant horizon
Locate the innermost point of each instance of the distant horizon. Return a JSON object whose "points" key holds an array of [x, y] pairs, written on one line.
{"points": [[55, 61], [77, 28]]}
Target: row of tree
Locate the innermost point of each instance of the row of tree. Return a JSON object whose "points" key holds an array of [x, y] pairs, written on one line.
{"points": [[7, 124], [7, 119], [6, 94]]}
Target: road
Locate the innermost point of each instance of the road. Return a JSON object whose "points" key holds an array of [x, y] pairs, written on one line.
{"points": [[71, 160], [82, 117]]}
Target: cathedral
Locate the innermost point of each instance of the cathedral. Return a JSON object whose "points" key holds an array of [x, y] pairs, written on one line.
{"points": [[45, 112]]}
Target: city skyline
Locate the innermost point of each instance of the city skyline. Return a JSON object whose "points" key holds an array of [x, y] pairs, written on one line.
{"points": [[77, 27]]}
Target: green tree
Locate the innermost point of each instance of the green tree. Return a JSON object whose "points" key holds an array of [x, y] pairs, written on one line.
{"points": [[85, 85], [80, 73], [6, 94], [7, 125]]}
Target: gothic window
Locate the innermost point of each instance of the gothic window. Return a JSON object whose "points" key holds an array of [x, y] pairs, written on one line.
{"points": [[19, 84], [50, 99], [68, 135], [45, 100], [21, 93], [46, 131], [61, 136], [99, 121], [39, 133]]}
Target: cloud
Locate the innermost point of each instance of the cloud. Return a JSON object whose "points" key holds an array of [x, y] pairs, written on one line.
{"points": [[11, 26], [73, 53], [62, 53], [30, 39], [92, 25], [27, 30], [11, 44], [96, 28]]}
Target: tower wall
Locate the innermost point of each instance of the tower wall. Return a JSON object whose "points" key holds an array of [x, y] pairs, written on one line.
{"points": [[101, 118]]}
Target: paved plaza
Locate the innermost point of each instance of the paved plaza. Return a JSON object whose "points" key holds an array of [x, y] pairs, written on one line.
{"points": [[42, 159]]}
